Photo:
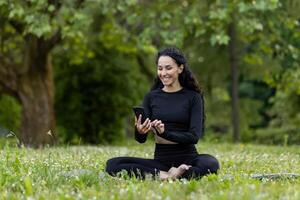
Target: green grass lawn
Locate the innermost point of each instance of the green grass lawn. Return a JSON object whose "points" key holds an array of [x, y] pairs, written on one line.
{"points": [[76, 173]]}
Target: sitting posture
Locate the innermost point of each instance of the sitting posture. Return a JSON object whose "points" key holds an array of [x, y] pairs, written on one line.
{"points": [[175, 114]]}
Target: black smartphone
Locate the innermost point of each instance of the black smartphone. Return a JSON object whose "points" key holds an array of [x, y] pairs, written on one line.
{"points": [[139, 111]]}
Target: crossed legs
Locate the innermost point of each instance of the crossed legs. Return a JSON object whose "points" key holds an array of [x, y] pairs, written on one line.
{"points": [[137, 166], [198, 166]]}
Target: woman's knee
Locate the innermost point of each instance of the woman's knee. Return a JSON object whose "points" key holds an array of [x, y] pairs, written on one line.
{"points": [[209, 162], [213, 164], [111, 165]]}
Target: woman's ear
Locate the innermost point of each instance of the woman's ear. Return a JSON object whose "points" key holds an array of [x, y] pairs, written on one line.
{"points": [[181, 68]]}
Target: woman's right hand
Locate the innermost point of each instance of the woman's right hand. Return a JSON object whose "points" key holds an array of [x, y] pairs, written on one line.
{"points": [[142, 128]]}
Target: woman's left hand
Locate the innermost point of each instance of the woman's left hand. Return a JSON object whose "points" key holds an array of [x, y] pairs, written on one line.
{"points": [[159, 126]]}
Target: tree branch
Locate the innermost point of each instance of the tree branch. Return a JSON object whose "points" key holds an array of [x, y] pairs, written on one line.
{"points": [[51, 42], [56, 38]]}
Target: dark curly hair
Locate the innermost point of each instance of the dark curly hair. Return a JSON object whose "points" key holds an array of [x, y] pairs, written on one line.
{"points": [[186, 77]]}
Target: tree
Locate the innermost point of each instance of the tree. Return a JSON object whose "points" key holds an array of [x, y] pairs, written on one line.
{"points": [[224, 23], [227, 30], [241, 28], [101, 92], [29, 31]]}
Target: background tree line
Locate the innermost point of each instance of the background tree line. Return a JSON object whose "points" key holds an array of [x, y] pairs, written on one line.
{"points": [[75, 68]]}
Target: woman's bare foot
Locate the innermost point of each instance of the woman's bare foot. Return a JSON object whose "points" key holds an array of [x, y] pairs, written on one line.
{"points": [[175, 173], [163, 175], [184, 167]]}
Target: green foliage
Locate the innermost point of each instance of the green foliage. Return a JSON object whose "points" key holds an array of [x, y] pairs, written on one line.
{"points": [[246, 13], [283, 135], [94, 98], [285, 110], [43, 19], [101, 40], [10, 113]]}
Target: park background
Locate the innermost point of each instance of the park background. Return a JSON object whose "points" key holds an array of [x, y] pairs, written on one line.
{"points": [[76, 68], [71, 70]]}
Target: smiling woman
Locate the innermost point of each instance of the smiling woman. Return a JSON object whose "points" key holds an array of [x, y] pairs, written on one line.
{"points": [[175, 114], [168, 72]]}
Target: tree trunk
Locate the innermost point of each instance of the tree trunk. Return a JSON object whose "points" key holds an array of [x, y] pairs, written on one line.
{"points": [[36, 94], [234, 81]]}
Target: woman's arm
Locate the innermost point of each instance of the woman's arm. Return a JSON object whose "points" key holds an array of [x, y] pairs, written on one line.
{"points": [[181, 137]]}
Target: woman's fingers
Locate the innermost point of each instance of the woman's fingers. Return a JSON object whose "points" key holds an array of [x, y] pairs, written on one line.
{"points": [[153, 122], [146, 122], [158, 123], [155, 125], [161, 128], [145, 127], [148, 125], [140, 126], [139, 120]]}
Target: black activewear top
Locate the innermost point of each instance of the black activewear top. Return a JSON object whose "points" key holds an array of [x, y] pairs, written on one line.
{"points": [[181, 112]]}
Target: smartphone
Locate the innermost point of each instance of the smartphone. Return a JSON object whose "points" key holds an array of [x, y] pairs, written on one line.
{"points": [[139, 111]]}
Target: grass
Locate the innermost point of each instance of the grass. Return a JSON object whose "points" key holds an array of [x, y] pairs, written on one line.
{"points": [[75, 172]]}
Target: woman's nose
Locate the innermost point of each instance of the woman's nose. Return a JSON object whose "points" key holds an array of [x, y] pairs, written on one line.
{"points": [[163, 72]]}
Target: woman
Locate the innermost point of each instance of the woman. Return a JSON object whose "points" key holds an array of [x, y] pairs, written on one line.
{"points": [[175, 113]]}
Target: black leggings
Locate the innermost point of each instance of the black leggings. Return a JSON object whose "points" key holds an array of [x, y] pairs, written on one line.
{"points": [[165, 157]]}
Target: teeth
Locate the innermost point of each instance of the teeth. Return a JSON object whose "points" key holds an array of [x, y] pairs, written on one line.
{"points": [[166, 78]]}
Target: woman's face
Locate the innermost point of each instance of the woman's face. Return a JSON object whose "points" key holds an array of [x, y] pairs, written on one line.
{"points": [[168, 71]]}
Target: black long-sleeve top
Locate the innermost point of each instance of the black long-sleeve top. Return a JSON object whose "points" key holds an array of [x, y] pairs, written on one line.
{"points": [[181, 112]]}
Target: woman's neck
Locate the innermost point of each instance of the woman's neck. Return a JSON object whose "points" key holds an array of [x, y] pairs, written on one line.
{"points": [[172, 88]]}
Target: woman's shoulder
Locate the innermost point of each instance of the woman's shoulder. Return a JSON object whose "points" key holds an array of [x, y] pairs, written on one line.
{"points": [[151, 93], [192, 93], [194, 96]]}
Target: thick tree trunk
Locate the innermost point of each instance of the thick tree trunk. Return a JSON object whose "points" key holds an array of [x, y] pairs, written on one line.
{"points": [[234, 81], [36, 94]]}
